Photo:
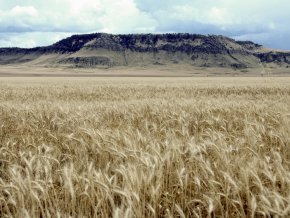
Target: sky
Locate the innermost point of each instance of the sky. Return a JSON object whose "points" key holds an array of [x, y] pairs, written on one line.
{"points": [[30, 23]]}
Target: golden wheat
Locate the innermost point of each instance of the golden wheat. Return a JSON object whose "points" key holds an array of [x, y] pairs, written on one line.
{"points": [[162, 147]]}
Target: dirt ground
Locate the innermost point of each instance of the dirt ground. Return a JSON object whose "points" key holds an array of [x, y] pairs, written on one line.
{"points": [[160, 71]]}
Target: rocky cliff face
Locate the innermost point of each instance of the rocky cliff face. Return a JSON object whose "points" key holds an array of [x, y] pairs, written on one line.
{"points": [[106, 50], [276, 57]]}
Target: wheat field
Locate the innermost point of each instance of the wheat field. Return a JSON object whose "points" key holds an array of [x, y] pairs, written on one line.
{"points": [[144, 147]]}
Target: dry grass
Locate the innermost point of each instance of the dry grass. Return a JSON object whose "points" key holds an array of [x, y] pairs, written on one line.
{"points": [[212, 147]]}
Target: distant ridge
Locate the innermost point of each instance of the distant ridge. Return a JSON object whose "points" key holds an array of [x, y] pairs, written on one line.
{"points": [[101, 50]]}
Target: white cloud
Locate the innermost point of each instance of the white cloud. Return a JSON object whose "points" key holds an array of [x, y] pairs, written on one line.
{"points": [[30, 39], [124, 17], [77, 16], [185, 12], [23, 11], [219, 16], [78, 7]]}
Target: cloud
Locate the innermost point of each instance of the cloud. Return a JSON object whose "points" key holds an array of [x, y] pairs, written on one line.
{"points": [[24, 11], [31, 19], [257, 20], [30, 39], [18, 19], [123, 16]]}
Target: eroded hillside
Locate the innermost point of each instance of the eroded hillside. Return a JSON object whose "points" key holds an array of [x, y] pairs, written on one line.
{"points": [[102, 50]]}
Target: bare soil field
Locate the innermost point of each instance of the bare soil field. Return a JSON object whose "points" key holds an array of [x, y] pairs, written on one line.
{"points": [[144, 147], [146, 71]]}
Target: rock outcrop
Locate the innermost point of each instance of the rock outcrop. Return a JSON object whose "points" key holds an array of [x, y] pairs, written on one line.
{"points": [[106, 50]]}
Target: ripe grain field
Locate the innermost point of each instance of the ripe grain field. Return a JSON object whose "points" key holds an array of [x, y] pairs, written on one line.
{"points": [[144, 147]]}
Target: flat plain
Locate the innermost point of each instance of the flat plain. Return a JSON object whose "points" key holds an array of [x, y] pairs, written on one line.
{"points": [[144, 147]]}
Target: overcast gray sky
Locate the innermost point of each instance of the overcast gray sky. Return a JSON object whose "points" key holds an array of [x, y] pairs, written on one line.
{"points": [[29, 23]]}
